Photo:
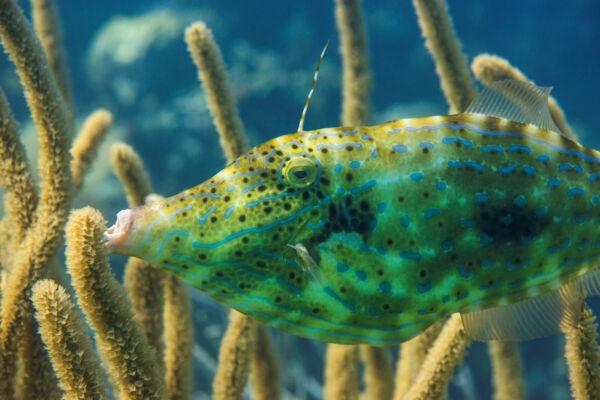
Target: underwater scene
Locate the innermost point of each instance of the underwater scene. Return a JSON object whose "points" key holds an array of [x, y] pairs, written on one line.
{"points": [[422, 227]]}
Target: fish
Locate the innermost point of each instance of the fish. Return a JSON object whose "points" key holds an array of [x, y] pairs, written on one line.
{"points": [[492, 213]]}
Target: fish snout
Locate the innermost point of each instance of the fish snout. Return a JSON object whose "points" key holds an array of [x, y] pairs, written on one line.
{"points": [[117, 235]]}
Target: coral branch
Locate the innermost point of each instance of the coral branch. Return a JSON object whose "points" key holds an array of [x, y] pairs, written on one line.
{"points": [[446, 353], [341, 373], [47, 27], [236, 351], [488, 68], [444, 46], [583, 357], [264, 374], [379, 380], [74, 360], [84, 148], [211, 70], [355, 58], [507, 371], [179, 336], [124, 349], [130, 171]]}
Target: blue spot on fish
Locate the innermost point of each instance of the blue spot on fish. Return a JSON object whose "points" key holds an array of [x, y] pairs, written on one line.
{"points": [[424, 288], [341, 267], [595, 200], [467, 223], [511, 267], [361, 275], [381, 207], [385, 287], [506, 219], [554, 182], [530, 171], [426, 145], [543, 158], [594, 177], [575, 192], [564, 167], [484, 239], [463, 273], [400, 148], [355, 164], [578, 169], [374, 153], [580, 219], [447, 245], [416, 176], [564, 245], [405, 221], [507, 169], [482, 197], [338, 168], [541, 212], [431, 213], [520, 201], [407, 255], [486, 263], [441, 186]]}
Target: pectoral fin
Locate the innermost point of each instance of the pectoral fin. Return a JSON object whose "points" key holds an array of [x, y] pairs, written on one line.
{"points": [[307, 263]]}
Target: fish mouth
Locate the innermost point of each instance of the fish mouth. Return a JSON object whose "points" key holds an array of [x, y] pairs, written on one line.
{"points": [[116, 236]]}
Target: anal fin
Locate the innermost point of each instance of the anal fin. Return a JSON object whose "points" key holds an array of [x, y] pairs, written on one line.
{"points": [[536, 317]]}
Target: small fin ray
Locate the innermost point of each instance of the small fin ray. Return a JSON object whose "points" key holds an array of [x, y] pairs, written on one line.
{"points": [[536, 317], [307, 262], [516, 101]]}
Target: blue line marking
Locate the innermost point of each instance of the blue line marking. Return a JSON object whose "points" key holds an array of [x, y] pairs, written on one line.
{"points": [[316, 226], [400, 148], [172, 200], [564, 167], [424, 288], [249, 188], [202, 219], [426, 145], [265, 228], [487, 149], [564, 245], [341, 267], [359, 189], [394, 131], [365, 137], [297, 143], [466, 143], [229, 211], [337, 298], [229, 189], [511, 267], [517, 147], [339, 146], [206, 194], [457, 164], [374, 153]]}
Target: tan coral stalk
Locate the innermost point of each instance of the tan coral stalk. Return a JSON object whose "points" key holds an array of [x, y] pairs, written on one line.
{"points": [[341, 373], [129, 168], [379, 380], [84, 148], [20, 199], [178, 337], [445, 48], [411, 357], [489, 68], [447, 352], [47, 27], [355, 57], [129, 360], [265, 377], [236, 351], [208, 59], [583, 357], [507, 371], [44, 236], [74, 360]]}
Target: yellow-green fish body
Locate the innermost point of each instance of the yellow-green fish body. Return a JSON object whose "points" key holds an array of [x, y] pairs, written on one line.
{"points": [[407, 222]]}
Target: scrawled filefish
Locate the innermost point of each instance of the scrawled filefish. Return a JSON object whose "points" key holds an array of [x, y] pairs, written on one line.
{"points": [[371, 234]]}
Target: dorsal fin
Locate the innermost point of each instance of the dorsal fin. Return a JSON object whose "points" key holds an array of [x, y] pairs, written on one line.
{"points": [[312, 89], [516, 101]]}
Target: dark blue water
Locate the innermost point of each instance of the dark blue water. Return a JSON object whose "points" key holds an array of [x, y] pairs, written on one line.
{"points": [[129, 57]]}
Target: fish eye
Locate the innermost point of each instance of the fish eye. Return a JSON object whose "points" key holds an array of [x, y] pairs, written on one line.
{"points": [[300, 172]]}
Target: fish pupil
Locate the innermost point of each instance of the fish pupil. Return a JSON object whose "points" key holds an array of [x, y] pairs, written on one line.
{"points": [[301, 174]]}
